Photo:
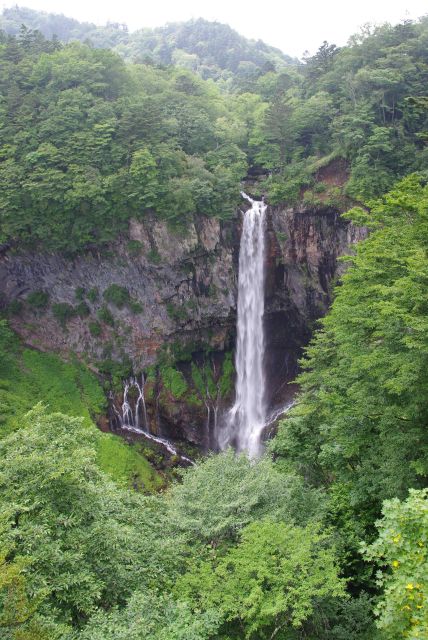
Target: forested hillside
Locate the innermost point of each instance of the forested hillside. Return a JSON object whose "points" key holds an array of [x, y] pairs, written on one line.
{"points": [[211, 49], [325, 536], [88, 142]]}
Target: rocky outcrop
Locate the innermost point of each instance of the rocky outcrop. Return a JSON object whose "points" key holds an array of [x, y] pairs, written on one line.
{"points": [[182, 300], [304, 247], [182, 282]]}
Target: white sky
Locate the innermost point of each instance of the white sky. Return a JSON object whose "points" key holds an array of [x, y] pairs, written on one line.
{"points": [[292, 25]]}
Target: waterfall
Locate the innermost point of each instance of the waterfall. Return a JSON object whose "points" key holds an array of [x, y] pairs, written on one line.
{"points": [[129, 418], [247, 418]]}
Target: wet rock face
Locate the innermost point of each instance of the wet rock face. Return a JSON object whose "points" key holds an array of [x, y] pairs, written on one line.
{"points": [[185, 286], [302, 266]]}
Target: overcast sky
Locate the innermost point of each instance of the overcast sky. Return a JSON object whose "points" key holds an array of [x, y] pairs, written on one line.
{"points": [[292, 25]]}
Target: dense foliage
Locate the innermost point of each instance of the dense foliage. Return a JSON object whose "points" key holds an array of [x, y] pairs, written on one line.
{"points": [[363, 413], [211, 49], [402, 550], [351, 103], [28, 377], [87, 142], [359, 428], [105, 562]]}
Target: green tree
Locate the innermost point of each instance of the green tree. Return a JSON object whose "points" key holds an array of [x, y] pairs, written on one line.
{"points": [[91, 544], [144, 182], [227, 492], [19, 618], [153, 616], [401, 552], [268, 582], [360, 419]]}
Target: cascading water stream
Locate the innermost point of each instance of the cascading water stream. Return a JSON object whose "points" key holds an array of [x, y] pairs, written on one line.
{"points": [[247, 418], [129, 419]]}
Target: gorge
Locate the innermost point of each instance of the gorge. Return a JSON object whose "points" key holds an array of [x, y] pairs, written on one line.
{"points": [[188, 297]]}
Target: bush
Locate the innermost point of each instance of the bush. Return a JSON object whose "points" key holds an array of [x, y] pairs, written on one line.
{"points": [[174, 382], [92, 295], [117, 295], [95, 329], [134, 248], [38, 299], [82, 310], [63, 312], [227, 376], [105, 316], [176, 312], [14, 308], [400, 553], [80, 294], [135, 306], [117, 371], [153, 256]]}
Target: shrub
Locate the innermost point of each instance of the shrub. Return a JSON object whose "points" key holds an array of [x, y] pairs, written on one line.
{"points": [[117, 371], [319, 187], [105, 316], [79, 293], [173, 381], [282, 236], [82, 310], [38, 299], [134, 248], [63, 312], [95, 329], [227, 376], [14, 308], [92, 295], [153, 256], [135, 306], [175, 312], [117, 295], [401, 555]]}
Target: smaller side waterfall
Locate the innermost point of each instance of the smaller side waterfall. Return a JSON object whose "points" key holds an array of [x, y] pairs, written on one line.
{"points": [[133, 415], [247, 418]]}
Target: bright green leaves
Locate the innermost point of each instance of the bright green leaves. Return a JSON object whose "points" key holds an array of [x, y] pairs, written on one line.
{"points": [[364, 390], [144, 179], [269, 581], [18, 605], [234, 550], [91, 544], [401, 551], [217, 499], [152, 616], [87, 143]]}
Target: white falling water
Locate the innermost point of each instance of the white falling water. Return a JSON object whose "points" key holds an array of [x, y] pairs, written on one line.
{"points": [[129, 419], [247, 418]]}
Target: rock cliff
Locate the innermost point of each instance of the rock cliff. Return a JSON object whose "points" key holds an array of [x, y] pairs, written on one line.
{"points": [[174, 303]]}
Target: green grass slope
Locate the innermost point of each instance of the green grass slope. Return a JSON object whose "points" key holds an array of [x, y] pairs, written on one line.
{"points": [[28, 377]]}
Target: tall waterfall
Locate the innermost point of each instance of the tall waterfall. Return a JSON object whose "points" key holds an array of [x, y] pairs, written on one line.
{"points": [[247, 418]]}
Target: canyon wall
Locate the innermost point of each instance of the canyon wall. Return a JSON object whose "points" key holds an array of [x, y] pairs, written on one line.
{"points": [[180, 305]]}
